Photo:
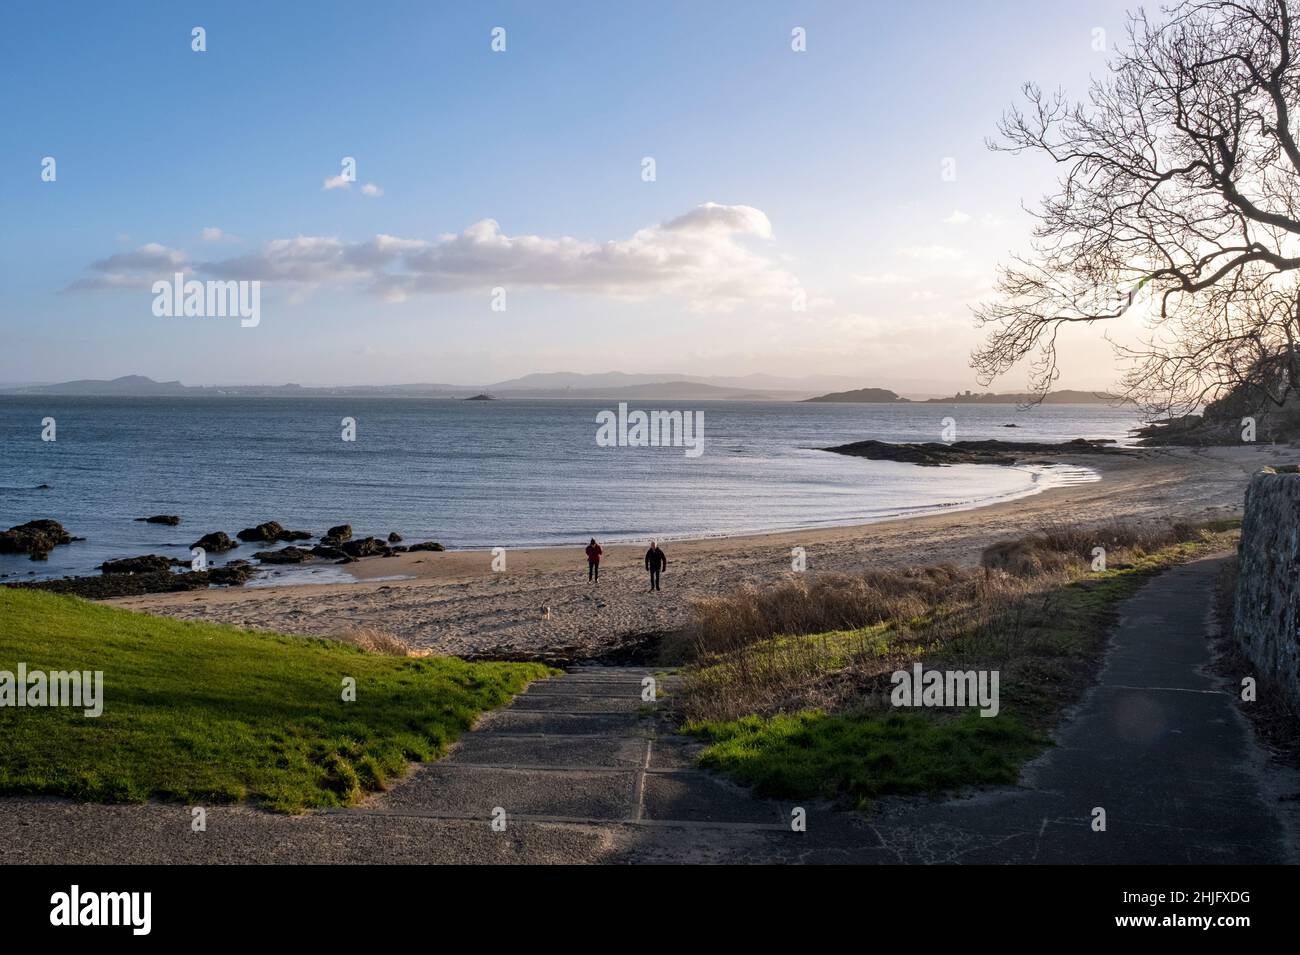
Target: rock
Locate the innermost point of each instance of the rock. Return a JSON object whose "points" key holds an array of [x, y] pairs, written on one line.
{"points": [[234, 574], [934, 454], [286, 555], [426, 545], [270, 532], [42, 487], [327, 550], [148, 564], [340, 533], [399, 548], [215, 543], [366, 547], [35, 538], [103, 587], [394, 537], [171, 520]]}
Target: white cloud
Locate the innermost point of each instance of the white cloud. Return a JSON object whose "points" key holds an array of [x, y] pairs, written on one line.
{"points": [[138, 267], [372, 190], [884, 278], [957, 218], [337, 182], [932, 253], [699, 255]]}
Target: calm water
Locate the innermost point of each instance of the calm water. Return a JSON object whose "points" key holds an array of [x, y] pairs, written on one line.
{"points": [[482, 474]]}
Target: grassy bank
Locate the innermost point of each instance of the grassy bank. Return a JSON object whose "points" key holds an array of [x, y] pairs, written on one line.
{"points": [[798, 709], [203, 713]]}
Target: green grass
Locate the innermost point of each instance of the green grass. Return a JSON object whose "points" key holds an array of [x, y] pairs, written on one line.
{"points": [[861, 757], [868, 749], [202, 713]]}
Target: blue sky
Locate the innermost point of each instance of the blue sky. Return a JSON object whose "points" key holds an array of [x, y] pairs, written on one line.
{"points": [[823, 168]]}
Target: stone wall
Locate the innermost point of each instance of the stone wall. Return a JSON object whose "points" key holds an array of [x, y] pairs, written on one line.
{"points": [[1268, 588]]}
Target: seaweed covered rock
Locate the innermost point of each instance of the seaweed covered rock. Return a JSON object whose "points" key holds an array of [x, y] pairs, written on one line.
{"points": [[215, 543], [35, 538]]}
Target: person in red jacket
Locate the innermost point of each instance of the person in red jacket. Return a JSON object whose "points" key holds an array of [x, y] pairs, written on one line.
{"points": [[594, 551]]}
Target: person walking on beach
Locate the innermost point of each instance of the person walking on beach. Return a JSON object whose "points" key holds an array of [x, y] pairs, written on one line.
{"points": [[655, 561], [594, 551]]}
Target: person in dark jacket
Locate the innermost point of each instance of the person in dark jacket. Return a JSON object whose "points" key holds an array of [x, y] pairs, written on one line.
{"points": [[655, 561], [594, 551]]}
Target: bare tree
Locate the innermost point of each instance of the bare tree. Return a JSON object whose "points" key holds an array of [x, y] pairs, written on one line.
{"points": [[1181, 182]]}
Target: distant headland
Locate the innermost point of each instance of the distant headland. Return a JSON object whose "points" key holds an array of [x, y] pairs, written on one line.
{"points": [[606, 386], [884, 396]]}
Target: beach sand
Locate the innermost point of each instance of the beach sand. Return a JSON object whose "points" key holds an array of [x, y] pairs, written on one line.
{"points": [[454, 603]]}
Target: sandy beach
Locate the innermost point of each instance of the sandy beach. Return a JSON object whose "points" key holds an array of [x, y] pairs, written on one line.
{"points": [[455, 603]]}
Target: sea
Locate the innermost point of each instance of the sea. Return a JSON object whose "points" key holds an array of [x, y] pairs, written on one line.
{"points": [[483, 474]]}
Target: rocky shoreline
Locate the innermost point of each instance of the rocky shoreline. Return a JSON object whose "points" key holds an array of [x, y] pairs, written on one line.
{"points": [[935, 454], [154, 573]]}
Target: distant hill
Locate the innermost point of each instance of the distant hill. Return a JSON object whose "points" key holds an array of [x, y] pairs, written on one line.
{"points": [[608, 382], [138, 386], [1063, 397], [610, 386], [613, 387], [126, 385], [873, 396], [655, 391]]}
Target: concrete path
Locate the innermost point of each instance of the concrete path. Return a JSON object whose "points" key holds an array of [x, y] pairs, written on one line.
{"points": [[1158, 744], [580, 769]]}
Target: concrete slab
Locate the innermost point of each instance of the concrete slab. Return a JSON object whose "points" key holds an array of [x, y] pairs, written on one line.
{"points": [[612, 752], [558, 724], [704, 798], [674, 752], [448, 789], [574, 703]]}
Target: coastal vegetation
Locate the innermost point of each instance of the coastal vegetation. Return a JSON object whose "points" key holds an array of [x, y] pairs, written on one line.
{"points": [[202, 713], [791, 685]]}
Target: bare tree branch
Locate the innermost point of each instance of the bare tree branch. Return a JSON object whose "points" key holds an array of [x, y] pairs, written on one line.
{"points": [[1181, 179]]}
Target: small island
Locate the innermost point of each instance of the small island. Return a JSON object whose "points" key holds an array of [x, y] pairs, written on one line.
{"points": [[482, 396], [874, 396]]}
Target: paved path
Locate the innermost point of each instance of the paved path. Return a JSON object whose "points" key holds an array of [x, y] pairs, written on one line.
{"points": [[1158, 744], [586, 772]]}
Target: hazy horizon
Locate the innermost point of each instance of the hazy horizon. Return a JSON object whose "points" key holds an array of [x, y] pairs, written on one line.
{"points": [[851, 177]]}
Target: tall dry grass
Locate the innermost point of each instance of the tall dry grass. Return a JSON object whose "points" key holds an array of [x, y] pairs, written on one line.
{"points": [[1058, 546], [834, 639], [803, 604], [377, 641]]}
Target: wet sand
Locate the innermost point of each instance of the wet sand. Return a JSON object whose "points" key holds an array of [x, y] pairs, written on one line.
{"points": [[455, 603]]}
